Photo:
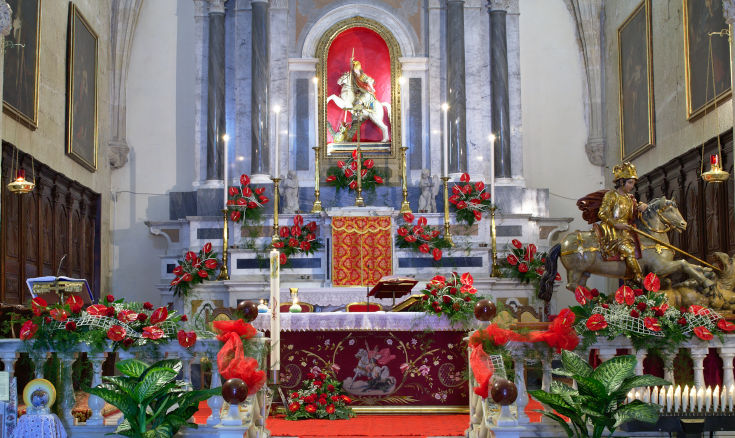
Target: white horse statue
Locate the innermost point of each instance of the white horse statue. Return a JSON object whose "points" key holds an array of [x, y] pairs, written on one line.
{"points": [[366, 106]]}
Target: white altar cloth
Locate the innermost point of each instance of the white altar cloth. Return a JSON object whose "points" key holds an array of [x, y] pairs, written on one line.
{"points": [[323, 321]]}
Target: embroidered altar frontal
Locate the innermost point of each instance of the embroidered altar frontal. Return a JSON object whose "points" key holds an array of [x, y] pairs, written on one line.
{"points": [[362, 250]]}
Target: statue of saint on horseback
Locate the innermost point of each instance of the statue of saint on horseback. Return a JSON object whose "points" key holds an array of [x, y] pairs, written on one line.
{"points": [[629, 241], [357, 96]]}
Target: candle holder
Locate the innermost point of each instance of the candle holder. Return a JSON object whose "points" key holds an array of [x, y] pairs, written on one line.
{"points": [[275, 238], [405, 206], [295, 307], [494, 242], [223, 274], [359, 201], [447, 233], [317, 207]]}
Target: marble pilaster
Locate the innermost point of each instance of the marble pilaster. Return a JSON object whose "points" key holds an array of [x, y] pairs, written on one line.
{"points": [[278, 57], [201, 39], [216, 91], [242, 71], [456, 93], [436, 85], [260, 92], [499, 103]]}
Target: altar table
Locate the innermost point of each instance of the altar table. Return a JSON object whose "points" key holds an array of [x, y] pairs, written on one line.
{"points": [[387, 361]]}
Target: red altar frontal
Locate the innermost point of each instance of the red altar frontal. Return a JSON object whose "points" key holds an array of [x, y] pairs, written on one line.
{"points": [[385, 361]]}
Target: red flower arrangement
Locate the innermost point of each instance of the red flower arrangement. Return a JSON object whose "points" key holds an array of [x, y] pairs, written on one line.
{"points": [[194, 269], [246, 202], [297, 239], [320, 396], [344, 174], [420, 237], [454, 296], [524, 263], [469, 200], [644, 316]]}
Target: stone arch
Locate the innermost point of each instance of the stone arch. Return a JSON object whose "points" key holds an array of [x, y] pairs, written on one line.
{"points": [[406, 38]]}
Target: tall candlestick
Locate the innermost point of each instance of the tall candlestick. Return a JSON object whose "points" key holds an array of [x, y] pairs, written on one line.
{"points": [[226, 139], [276, 161], [275, 280], [316, 110], [445, 146], [492, 169]]}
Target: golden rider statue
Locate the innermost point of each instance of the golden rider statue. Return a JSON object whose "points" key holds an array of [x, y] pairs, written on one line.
{"points": [[618, 211]]}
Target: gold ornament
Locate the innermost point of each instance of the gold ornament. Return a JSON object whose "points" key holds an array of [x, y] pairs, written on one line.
{"points": [[624, 171]]}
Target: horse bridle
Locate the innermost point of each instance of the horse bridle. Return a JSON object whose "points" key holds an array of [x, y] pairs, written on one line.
{"points": [[663, 219]]}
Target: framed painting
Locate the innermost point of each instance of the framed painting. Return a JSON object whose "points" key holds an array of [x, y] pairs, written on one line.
{"points": [[81, 91], [20, 83], [707, 67], [635, 78]]}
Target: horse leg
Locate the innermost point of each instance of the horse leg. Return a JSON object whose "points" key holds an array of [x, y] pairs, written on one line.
{"points": [[576, 278], [337, 100], [682, 265]]}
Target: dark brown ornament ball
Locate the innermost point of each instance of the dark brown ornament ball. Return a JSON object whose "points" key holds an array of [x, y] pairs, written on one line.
{"points": [[234, 391], [249, 310], [485, 310], [503, 391]]}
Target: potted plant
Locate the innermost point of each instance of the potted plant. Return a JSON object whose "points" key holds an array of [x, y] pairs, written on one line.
{"points": [[153, 402], [599, 401]]}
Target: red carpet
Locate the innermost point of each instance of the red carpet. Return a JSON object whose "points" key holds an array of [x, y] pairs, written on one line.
{"points": [[385, 426]]}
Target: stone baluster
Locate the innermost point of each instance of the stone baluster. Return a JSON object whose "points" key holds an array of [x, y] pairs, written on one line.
{"points": [[546, 371], [727, 355], [669, 368], [186, 358], [607, 353], [95, 403], [67, 387], [39, 359], [519, 362], [640, 356], [698, 355], [216, 402], [9, 357]]}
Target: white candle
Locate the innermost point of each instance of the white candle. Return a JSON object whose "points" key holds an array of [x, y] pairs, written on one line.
{"points": [[669, 398], [730, 397], [693, 399], [677, 398], [700, 398], [275, 272], [646, 395], [685, 398], [404, 102], [316, 110], [445, 149], [276, 161], [723, 399], [492, 169], [716, 398], [707, 399], [226, 140], [654, 395]]}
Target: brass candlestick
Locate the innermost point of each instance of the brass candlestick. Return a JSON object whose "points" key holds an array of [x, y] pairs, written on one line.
{"points": [[223, 274], [405, 206], [493, 236], [275, 239], [359, 202], [317, 207], [447, 233]]}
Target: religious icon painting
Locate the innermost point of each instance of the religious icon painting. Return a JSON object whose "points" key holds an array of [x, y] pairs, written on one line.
{"points": [[20, 83], [635, 78], [707, 57], [81, 109], [359, 97]]}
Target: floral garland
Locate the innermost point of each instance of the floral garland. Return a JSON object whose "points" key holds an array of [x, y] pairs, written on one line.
{"points": [[454, 296], [524, 263], [245, 202], [469, 201], [420, 237], [343, 175], [320, 396], [59, 327], [645, 317], [297, 239], [194, 269]]}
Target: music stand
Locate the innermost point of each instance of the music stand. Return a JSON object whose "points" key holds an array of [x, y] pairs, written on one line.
{"points": [[391, 286], [54, 289]]}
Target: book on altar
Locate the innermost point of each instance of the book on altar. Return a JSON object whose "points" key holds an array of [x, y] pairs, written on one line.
{"points": [[392, 286], [50, 287], [410, 304]]}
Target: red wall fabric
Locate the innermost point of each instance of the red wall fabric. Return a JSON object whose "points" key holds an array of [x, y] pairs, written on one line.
{"points": [[372, 52]]}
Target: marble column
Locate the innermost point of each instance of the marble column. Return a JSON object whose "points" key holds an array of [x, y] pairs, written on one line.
{"points": [[260, 64], [456, 96], [698, 355], [499, 103], [201, 37], [727, 355], [216, 124]]}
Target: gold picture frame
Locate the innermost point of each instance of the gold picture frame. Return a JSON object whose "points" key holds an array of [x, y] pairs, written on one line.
{"points": [[701, 18], [635, 80], [21, 63], [81, 89]]}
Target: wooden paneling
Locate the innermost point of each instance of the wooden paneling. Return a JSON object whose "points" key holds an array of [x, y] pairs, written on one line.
{"points": [[707, 208], [60, 217]]}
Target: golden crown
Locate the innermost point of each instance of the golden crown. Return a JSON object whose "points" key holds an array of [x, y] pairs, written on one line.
{"points": [[356, 63], [624, 171]]}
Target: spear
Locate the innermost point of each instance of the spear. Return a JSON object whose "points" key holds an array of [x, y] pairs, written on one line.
{"points": [[672, 247]]}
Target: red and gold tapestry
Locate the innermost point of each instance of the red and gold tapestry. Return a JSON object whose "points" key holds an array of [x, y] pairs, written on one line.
{"points": [[362, 250]]}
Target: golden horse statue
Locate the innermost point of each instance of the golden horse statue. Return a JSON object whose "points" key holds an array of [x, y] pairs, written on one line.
{"points": [[581, 256]]}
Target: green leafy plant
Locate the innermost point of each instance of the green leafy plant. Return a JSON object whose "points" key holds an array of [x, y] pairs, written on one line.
{"points": [[153, 402], [453, 296], [599, 401], [343, 175], [321, 396], [469, 200]]}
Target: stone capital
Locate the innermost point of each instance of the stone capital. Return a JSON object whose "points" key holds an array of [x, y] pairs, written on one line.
{"points": [[201, 8], [728, 10], [509, 6], [217, 6], [6, 18], [118, 153]]}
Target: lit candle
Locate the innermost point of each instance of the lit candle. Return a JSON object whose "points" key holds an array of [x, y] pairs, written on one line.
{"points": [[226, 140], [276, 161], [646, 395], [716, 398], [630, 396], [677, 398], [275, 272], [445, 149], [654, 395], [316, 110], [707, 399], [730, 397], [723, 399], [669, 398], [700, 398], [693, 399], [685, 398], [492, 169], [404, 101], [714, 160]]}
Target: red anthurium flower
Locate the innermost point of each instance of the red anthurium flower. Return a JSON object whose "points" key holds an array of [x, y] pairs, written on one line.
{"points": [[378, 180], [202, 273], [418, 230], [152, 332], [652, 324], [596, 322], [75, 303], [242, 201], [703, 334], [263, 199], [340, 164], [725, 326], [424, 248], [233, 191], [517, 243], [410, 238], [244, 180], [298, 220], [331, 178], [402, 231], [252, 205], [116, 333], [159, 315], [484, 196], [208, 247], [478, 215], [247, 192], [437, 254], [479, 186], [579, 295], [353, 185], [461, 205], [465, 177], [349, 173], [651, 282], [293, 243], [28, 330], [110, 298], [456, 190], [369, 163], [353, 165], [522, 267], [557, 277], [624, 294], [97, 310], [186, 339], [284, 232], [531, 250], [513, 260], [178, 271], [408, 217], [38, 304], [466, 279], [259, 190], [363, 172], [187, 277], [282, 259], [210, 263], [699, 310], [295, 231], [305, 246], [127, 315], [422, 221], [235, 216]]}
